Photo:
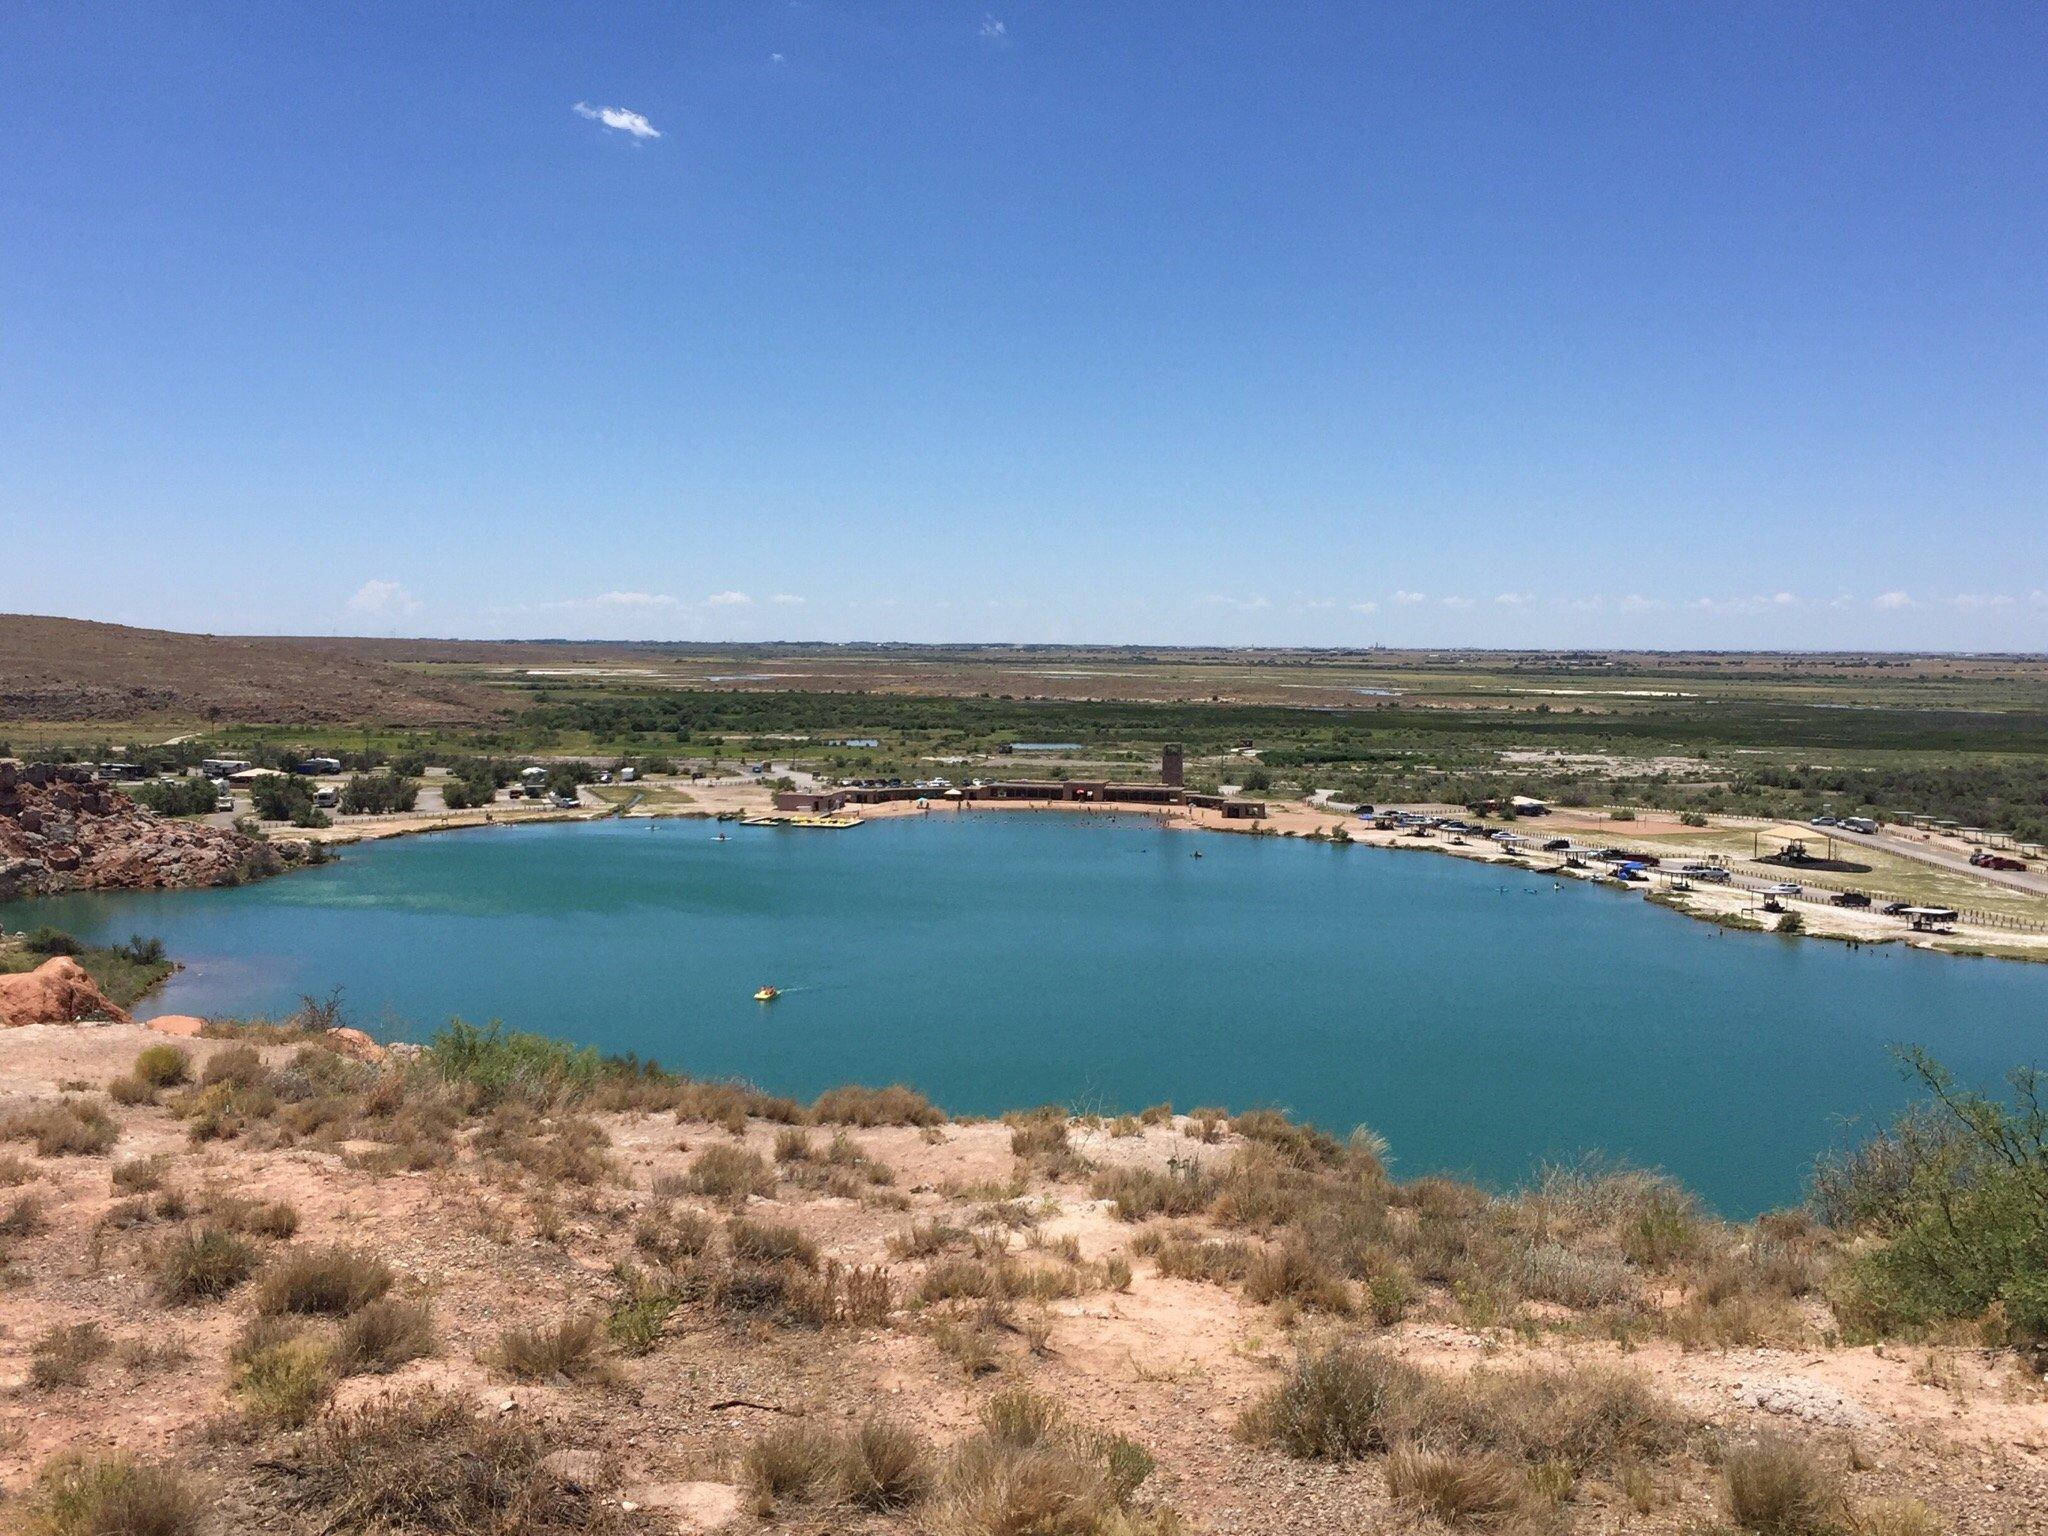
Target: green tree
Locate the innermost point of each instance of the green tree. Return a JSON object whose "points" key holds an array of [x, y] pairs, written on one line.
{"points": [[1957, 1196]]}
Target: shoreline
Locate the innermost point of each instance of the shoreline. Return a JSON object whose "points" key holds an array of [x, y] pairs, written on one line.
{"points": [[1727, 906]]}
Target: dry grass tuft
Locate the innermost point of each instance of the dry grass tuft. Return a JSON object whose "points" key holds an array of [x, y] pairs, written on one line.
{"points": [[669, 1237], [427, 1463], [1030, 1471], [1337, 1405], [731, 1174], [61, 1357], [139, 1175], [110, 1496], [799, 1462], [202, 1265], [331, 1281], [239, 1065], [1896, 1517], [383, 1336], [771, 1242], [571, 1350], [257, 1218], [62, 1127], [1778, 1487], [1460, 1488], [880, 1466], [24, 1217], [889, 1466], [895, 1105]]}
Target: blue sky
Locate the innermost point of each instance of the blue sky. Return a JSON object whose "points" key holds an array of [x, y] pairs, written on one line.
{"points": [[1718, 325]]}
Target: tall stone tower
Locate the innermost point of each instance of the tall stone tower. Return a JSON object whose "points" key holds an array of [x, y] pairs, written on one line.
{"points": [[1171, 768]]}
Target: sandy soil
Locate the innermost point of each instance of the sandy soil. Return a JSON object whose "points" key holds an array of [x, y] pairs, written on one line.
{"points": [[1170, 1362]]}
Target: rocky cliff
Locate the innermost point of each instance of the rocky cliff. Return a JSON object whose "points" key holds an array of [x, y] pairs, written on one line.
{"points": [[62, 831]]}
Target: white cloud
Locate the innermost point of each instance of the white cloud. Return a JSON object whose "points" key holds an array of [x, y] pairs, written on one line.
{"points": [[1892, 600], [727, 600], [383, 598], [1750, 604], [994, 30], [619, 120], [634, 600], [1459, 603], [775, 58], [1512, 599], [1970, 602], [1635, 602], [1409, 598], [786, 599], [1365, 607]]}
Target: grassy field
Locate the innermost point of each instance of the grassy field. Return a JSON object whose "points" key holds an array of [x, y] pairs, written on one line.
{"points": [[1786, 735], [125, 973]]}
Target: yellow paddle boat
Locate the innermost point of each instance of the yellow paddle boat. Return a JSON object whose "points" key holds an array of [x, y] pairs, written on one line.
{"points": [[767, 994]]}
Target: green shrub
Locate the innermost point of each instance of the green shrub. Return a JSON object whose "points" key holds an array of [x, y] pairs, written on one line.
{"points": [[285, 797], [368, 793], [1959, 1203], [496, 1063], [162, 1066], [192, 795], [284, 1380]]}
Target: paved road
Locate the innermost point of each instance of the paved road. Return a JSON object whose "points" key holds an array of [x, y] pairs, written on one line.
{"points": [[2030, 880]]}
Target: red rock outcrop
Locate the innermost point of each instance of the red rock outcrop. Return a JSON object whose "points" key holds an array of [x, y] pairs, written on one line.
{"points": [[56, 992], [62, 830], [183, 1025]]}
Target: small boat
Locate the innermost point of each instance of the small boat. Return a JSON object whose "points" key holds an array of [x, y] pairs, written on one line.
{"points": [[767, 994]]}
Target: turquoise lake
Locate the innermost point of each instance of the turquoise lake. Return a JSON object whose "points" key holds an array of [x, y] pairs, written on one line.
{"points": [[1479, 1019]]}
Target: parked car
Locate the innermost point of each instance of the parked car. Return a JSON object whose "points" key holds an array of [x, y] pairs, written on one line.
{"points": [[1822, 821], [1894, 908], [1557, 845], [1852, 899], [224, 802], [1996, 861], [1781, 888]]}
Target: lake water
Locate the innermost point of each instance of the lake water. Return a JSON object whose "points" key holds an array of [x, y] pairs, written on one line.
{"points": [[1479, 1019]]}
